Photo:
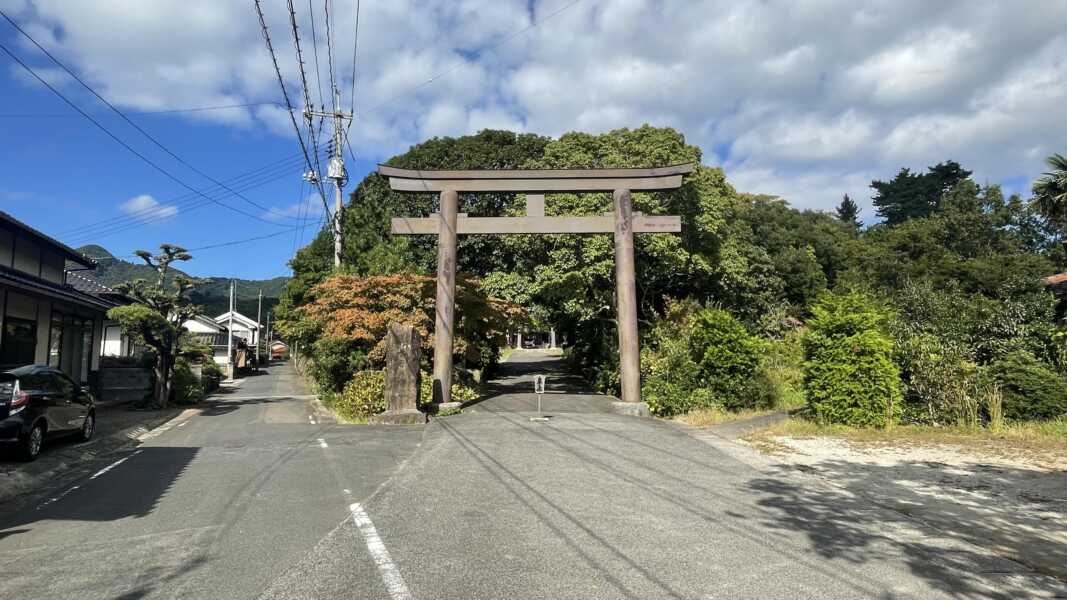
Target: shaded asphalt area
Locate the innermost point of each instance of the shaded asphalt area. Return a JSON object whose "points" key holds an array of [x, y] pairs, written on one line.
{"points": [[596, 505], [257, 500]]}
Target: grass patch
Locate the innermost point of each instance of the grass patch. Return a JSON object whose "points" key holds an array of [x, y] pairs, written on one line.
{"points": [[332, 401], [1039, 441], [706, 417]]}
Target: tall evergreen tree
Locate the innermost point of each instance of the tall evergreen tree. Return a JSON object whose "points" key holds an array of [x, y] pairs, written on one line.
{"points": [[916, 195], [848, 212]]}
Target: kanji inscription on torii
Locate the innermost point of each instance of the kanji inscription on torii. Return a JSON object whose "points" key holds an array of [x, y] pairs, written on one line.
{"points": [[623, 223]]}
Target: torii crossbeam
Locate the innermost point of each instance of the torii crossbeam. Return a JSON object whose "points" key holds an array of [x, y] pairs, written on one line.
{"points": [[623, 223]]}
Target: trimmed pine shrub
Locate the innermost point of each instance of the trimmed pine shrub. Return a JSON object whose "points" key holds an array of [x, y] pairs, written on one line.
{"points": [[850, 377], [1029, 388], [727, 354]]}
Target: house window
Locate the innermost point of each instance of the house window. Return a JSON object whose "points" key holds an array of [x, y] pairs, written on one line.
{"points": [[70, 345], [55, 339], [19, 341]]}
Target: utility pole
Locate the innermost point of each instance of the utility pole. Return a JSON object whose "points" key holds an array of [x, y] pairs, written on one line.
{"points": [[269, 351], [259, 324], [229, 337], [336, 170]]}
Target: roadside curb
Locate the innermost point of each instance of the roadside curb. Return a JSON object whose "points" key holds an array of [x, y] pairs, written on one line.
{"points": [[17, 484]]}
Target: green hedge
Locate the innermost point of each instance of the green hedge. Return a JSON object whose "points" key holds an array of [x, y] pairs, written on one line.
{"points": [[850, 376]]}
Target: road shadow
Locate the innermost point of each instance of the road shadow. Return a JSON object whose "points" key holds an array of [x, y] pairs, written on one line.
{"points": [[960, 547], [119, 492]]}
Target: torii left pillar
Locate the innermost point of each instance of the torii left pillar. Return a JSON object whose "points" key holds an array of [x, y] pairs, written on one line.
{"points": [[446, 296], [626, 300]]}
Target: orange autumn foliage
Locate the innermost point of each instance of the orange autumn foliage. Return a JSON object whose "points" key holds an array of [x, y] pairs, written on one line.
{"points": [[359, 310]]}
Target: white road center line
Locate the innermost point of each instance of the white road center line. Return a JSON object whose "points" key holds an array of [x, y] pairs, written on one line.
{"points": [[322, 443], [112, 465], [56, 498], [64, 494], [394, 582]]}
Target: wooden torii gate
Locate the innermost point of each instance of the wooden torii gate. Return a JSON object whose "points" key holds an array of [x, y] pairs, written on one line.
{"points": [[447, 224]]}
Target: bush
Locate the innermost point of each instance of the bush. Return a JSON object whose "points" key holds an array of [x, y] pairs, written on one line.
{"points": [[727, 354], [186, 387], [782, 368], [850, 376], [1029, 388], [361, 397], [334, 362], [670, 375], [702, 357], [463, 389], [940, 381]]}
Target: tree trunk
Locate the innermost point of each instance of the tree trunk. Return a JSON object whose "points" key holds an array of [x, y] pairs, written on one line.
{"points": [[162, 381]]}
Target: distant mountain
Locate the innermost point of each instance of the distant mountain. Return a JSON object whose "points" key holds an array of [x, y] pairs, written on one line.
{"points": [[211, 293]]}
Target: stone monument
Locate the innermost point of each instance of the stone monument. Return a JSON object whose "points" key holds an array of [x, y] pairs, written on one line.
{"points": [[402, 349]]}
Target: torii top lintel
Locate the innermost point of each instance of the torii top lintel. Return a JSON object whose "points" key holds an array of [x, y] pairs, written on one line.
{"points": [[536, 180]]}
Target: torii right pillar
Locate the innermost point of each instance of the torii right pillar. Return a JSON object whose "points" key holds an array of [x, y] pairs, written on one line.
{"points": [[626, 301]]}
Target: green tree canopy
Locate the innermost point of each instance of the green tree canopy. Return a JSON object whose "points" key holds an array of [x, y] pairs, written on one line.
{"points": [[914, 195]]}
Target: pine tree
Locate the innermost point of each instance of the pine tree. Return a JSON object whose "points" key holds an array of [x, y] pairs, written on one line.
{"points": [[916, 195], [848, 212]]}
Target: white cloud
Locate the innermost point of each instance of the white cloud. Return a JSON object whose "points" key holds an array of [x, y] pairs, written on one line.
{"points": [[147, 208], [806, 99]]}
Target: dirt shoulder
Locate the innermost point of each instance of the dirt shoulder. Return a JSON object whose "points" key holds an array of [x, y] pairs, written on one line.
{"points": [[1005, 492]]}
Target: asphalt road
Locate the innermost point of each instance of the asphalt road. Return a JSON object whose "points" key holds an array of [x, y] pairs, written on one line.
{"points": [[249, 500]]}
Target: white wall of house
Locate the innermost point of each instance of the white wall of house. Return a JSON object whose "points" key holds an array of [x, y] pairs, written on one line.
{"points": [[197, 326]]}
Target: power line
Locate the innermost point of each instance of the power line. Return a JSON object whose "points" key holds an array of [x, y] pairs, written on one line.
{"points": [[493, 46], [210, 246], [119, 140], [355, 49], [145, 112], [315, 47], [125, 118], [119, 228], [312, 136], [288, 104], [329, 52], [184, 199]]}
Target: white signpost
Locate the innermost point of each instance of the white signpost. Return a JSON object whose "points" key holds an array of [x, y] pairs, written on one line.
{"points": [[539, 389]]}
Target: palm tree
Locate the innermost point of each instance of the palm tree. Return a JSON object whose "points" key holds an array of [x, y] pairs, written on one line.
{"points": [[1050, 190]]}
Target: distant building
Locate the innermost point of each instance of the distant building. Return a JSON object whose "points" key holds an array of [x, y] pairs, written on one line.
{"points": [[244, 328], [43, 318], [278, 349], [207, 331]]}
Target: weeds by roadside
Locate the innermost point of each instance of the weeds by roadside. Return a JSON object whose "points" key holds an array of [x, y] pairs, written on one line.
{"points": [[715, 415]]}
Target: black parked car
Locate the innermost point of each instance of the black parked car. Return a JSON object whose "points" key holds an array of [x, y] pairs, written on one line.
{"points": [[39, 402]]}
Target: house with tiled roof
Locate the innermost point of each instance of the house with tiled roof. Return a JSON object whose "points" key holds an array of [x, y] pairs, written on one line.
{"points": [[46, 316]]}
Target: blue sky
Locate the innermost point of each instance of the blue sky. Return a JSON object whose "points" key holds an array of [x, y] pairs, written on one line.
{"points": [[807, 100], [68, 176]]}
